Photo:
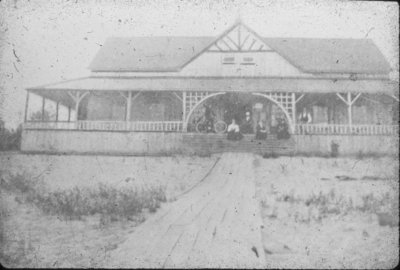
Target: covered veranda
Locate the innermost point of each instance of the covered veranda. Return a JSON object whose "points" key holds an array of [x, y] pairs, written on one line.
{"points": [[86, 100]]}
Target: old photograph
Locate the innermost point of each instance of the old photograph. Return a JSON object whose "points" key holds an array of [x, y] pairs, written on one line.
{"points": [[199, 134]]}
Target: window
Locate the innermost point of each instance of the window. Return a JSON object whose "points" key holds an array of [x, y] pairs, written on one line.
{"points": [[247, 61], [228, 60]]}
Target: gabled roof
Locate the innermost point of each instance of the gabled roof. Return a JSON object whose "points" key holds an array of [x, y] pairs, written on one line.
{"points": [[170, 54], [148, 53], [331, 55]]}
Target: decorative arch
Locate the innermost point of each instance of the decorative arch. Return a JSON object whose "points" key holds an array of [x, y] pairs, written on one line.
{"points": [[284, 102], [193, 106]]}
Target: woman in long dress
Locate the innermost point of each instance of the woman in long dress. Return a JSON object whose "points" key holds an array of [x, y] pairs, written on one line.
{"points": [[261, 131], [234, 132]]}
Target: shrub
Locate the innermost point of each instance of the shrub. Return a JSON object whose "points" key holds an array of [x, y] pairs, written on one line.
{"points": [[9, 140], [110, 202], [321, 205]]}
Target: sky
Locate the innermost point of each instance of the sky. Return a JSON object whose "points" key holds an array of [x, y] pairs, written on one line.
{"points": [[45, 41]]}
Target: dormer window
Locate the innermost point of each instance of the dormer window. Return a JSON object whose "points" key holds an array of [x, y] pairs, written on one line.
{"points": [[228, 60], [247, 61]]}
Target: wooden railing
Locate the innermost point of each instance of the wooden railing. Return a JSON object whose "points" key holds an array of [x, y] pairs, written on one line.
{"points": [[177, 126], [329, 129], [49, 125], [160, 126]]}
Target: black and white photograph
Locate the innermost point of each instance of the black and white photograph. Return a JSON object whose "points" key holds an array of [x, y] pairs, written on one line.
{"points": [[199, 134]]}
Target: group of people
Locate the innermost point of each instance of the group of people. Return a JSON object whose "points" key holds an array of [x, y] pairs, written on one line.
{"points": [[235, 132]]}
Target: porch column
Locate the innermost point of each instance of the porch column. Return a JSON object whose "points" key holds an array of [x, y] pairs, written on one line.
{"points": [[184, 126], [128, 107], [26, 106], [295, 101], [57, 105], [43, 103], [77, 98], [294, 111], [76, 110], [349, 109], [69, 114], [349, 102], [129, 99]]}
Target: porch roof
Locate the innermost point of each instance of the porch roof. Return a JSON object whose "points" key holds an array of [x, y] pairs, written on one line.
{"points": [[225, 84]]}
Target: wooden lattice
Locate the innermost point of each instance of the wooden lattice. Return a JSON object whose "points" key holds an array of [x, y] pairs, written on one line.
{"points": [[284, 99], [192, 99]]}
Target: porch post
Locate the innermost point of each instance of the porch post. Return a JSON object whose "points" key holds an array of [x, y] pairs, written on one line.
{"points": [[58, 103], [26, 106], [184, 126], [76, 109], [128, 107], [69, 114], [77, 98], [349, 102], [349, 106], [43, 103], [294, 110]]}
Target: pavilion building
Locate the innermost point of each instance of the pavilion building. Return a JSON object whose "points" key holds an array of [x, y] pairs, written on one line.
{"points": [[147, 95]]}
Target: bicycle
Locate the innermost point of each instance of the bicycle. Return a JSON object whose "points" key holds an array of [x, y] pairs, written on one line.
{"points": [[206, 126]]}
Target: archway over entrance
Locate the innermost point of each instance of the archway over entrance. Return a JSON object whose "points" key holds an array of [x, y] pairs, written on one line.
{"points": [[239, 106]]}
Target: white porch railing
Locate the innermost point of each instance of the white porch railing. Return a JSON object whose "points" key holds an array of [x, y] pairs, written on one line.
{"points": [[163, 126], [329, 129], [177, 126]]}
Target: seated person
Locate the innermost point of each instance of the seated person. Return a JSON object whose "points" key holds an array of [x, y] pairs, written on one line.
{"points": [[282, 131], [261, 131], [247, 126], [234, 132]]}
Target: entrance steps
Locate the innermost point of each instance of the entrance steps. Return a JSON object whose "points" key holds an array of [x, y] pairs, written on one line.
{"points": [[217, 143]]}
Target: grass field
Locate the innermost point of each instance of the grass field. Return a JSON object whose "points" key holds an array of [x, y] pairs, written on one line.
{"points": [[329, 213], [72, 211]]}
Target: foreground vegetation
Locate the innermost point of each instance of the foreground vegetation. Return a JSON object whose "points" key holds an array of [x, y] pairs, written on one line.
{"points": [[329, 212], [317, 207], [9, 139], [111, 203], [36, 221]]}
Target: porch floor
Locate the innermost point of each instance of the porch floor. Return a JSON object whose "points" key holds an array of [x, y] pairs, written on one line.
{"points": [[216, 224]]}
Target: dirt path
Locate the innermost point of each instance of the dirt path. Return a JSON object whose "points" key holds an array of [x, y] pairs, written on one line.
{"points": [[217, 224]]}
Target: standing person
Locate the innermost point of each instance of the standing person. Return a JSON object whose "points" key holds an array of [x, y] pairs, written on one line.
{"points": [[247, 126], [209, 117], [234, 132], [261, 131], [305, 117]]}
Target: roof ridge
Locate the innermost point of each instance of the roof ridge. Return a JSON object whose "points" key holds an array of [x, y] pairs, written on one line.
{"points": [[318, 38], [126, 37], [263, 37]]}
